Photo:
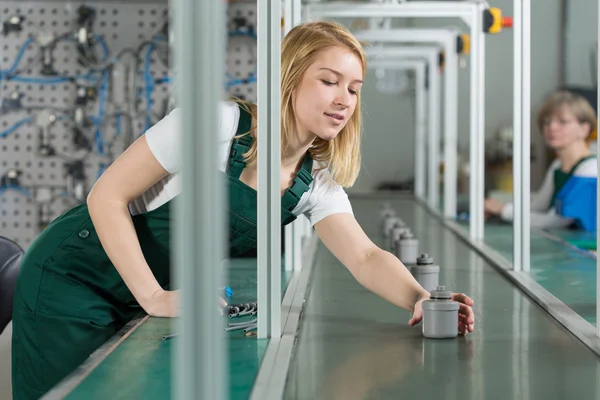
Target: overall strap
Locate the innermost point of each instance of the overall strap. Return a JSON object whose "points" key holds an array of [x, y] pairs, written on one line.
{"points": [[301, 184], [578, 163], [240, 146]]}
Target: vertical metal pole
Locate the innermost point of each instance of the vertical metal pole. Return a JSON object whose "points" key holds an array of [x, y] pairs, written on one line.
{"points": [[434, 132], [289, 229], [269, 166], [598, 197], [420, 107], [420, 130], [199, 229], [526, 134], [473, 132], [294, 230], [296, 12], [307, 228], [480, 165], [288, 16], [297, 228], [450, 129], [289, 247], [517, 134]]}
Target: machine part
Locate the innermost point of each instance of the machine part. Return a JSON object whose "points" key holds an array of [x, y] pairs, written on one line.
{"points": [[80, 139], [463, 44], [13, 24], [11, 178], [44, 216], [82, 97], [85, 20], [251, 328], [440, 315], [408, 249], [11, 103], [46, 40], [119, 73], [44, 119], [397, 231], [75, 172], [385, 213], [493, 22], [390, 223], [42, 194], [118, 37], [426, 273]]}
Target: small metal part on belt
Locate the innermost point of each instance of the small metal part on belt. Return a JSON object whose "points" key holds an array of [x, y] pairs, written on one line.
{"points": [[167, 337]]}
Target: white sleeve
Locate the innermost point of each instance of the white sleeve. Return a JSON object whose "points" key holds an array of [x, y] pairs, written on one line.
{"points": [[587, 169], [540, 201], [325, 198], [164, 141], [548, 219], [540, 215]]}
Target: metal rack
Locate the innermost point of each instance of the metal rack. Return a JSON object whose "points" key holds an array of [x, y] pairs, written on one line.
{"points": [[62, 121]]}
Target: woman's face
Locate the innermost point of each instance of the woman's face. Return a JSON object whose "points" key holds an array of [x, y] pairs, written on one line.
{"points": [[327, 95], [562, 129]]}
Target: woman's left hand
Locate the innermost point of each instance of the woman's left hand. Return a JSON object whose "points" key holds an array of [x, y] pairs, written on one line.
{"points": [[466, 316]]}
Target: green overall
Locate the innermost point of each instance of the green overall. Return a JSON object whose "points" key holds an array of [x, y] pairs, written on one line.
{"points": [[561, 178], [70, 299]]}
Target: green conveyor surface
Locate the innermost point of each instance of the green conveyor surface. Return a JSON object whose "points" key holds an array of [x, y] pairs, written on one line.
{"points": [[354, 345], [140, 367], [565, 272]]}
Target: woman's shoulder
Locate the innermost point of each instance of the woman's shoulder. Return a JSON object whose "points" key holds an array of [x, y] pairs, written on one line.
{"points": [[588, 168], [323, 181]]}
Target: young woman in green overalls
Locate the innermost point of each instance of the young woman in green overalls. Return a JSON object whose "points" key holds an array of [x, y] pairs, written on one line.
{"points": [[98, 265], [567, 197]]}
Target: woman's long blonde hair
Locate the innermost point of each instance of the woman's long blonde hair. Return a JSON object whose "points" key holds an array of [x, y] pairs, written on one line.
{"points": [[299, 50]]}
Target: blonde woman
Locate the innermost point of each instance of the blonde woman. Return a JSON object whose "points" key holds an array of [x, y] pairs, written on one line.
{"points": [[567, 197], [97, 265]]}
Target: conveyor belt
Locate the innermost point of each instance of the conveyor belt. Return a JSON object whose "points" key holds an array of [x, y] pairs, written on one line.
{"points": [[354, 345], [139, 367], [556, 264]]}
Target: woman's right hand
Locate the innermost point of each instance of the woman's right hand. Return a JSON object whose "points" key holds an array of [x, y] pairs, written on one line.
{"points": [[492, 207], [163, 303]]}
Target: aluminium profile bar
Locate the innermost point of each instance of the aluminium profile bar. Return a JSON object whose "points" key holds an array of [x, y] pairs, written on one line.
{"points": [[420, 69], [447, 38], [429, 53]]}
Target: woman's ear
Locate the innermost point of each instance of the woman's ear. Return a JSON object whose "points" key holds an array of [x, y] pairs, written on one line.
{"points": [[586, 129]]}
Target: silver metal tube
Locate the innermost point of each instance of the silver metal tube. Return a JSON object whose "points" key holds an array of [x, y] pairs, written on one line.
{"points": [[526, 136], [421, 126], [429, 9], [480, 164], [269, 166], [297, 245], [434, 134], [450, 130], [446, 38], [598, 196], [473, 135], [517, 124], [199, 228]]}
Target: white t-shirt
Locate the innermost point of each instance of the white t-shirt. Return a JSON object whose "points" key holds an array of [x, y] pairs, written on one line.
{"points": [[541, 214], [323, 198]]}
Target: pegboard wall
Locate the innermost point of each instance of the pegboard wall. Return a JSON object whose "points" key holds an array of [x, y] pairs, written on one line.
{"points": [[79, 81]]}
